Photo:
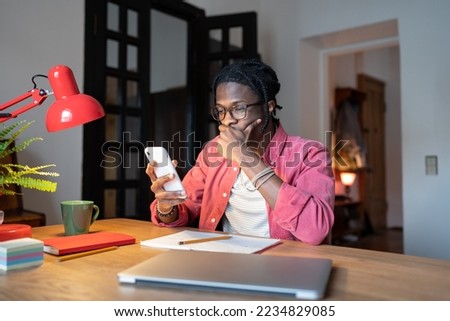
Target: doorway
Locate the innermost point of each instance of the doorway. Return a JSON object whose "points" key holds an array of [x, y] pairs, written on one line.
{"points": [[343, 72], [338, 64]]}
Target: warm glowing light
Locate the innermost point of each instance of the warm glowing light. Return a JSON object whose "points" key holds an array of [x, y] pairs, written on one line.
{"points": [[348, 178]]}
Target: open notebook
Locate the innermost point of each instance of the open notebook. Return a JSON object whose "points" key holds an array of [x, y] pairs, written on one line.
{"points": [[303, 278], [235, 244]]}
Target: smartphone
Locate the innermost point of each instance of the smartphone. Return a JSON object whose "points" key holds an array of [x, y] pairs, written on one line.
{"points": [[164, 166]]}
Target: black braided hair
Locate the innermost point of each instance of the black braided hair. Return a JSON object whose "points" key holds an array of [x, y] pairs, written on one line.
{"points": [[255, 74]]}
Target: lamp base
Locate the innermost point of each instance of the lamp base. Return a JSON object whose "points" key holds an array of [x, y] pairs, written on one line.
{"points": [[14, 231]]}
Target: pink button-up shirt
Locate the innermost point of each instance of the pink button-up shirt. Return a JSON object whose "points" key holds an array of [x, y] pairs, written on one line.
{"points": [[304, 207]]}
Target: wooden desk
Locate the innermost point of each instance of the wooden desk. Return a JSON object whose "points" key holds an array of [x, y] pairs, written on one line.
{"points": [[357, 274]]}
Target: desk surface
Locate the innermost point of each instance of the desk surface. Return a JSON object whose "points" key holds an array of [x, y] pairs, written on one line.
{"points": [[357, 274]]}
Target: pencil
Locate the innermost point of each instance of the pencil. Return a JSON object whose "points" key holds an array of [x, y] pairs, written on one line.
{"points": [[206, 239], [77, 255]]}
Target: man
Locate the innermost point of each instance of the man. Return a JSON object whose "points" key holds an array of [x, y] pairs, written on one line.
{"points": [[253, 178]]}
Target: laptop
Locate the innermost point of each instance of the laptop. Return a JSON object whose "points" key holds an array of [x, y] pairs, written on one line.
{"points": [[302, 278]]}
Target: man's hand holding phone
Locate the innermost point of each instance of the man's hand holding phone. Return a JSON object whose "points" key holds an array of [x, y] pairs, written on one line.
{"points": [[166, 184]]}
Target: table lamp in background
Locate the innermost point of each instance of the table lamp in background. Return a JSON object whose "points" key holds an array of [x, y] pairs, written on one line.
{"points": [[70, 109], [347, 179]]}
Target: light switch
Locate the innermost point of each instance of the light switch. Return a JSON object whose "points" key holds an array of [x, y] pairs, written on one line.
{"points": [[431, 165]]}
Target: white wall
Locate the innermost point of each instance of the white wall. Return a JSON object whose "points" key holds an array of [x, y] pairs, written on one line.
{"points": [[35, 35], [425, 74], [38, 34]]}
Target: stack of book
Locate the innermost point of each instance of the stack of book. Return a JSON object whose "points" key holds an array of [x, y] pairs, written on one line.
{"points": [[63, 245], [21, 253]]}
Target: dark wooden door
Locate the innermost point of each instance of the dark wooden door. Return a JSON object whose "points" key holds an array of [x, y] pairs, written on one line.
{"points": [[149, 62], [228, 38], [373, 127], [127, 42]]}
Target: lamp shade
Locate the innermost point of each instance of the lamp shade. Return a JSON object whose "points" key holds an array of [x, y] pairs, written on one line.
{"points": [[347, 178], [71, 108]]}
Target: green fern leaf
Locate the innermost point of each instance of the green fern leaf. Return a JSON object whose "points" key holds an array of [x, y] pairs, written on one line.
{"points": [[17, 174], [37, 184], [7, 135]]}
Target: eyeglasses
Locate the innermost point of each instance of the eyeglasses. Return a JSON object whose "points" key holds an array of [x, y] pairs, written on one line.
{"points": [[237, 112]]}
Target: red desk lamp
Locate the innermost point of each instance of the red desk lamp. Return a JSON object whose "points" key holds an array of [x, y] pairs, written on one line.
{"points": [[70, 108]]}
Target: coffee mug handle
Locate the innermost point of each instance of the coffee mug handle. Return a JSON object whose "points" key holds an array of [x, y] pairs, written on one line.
{"points": [[95, 215]]}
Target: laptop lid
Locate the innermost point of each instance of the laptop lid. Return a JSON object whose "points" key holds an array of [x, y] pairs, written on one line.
{"points": [[304, 278]]}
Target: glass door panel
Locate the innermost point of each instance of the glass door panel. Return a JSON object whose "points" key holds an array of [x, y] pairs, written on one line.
{"points": [[168, 85]]}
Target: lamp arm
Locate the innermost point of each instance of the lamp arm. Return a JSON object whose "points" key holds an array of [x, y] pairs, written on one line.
{"points": [[38, 96]]}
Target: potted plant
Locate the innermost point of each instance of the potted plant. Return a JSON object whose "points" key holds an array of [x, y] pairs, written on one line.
{"points": [[12, 174]]}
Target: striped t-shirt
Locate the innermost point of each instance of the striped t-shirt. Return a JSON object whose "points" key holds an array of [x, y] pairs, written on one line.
{"points": [[246, 212]]}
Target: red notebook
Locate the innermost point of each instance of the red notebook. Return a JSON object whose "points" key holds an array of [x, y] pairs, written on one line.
{"points": [[85, 242]]}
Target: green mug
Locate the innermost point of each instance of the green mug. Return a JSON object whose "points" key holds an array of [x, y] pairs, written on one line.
{"points": [[78, 216]]}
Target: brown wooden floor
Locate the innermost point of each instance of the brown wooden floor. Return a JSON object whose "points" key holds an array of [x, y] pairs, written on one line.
{"points": [[390, 240]]}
